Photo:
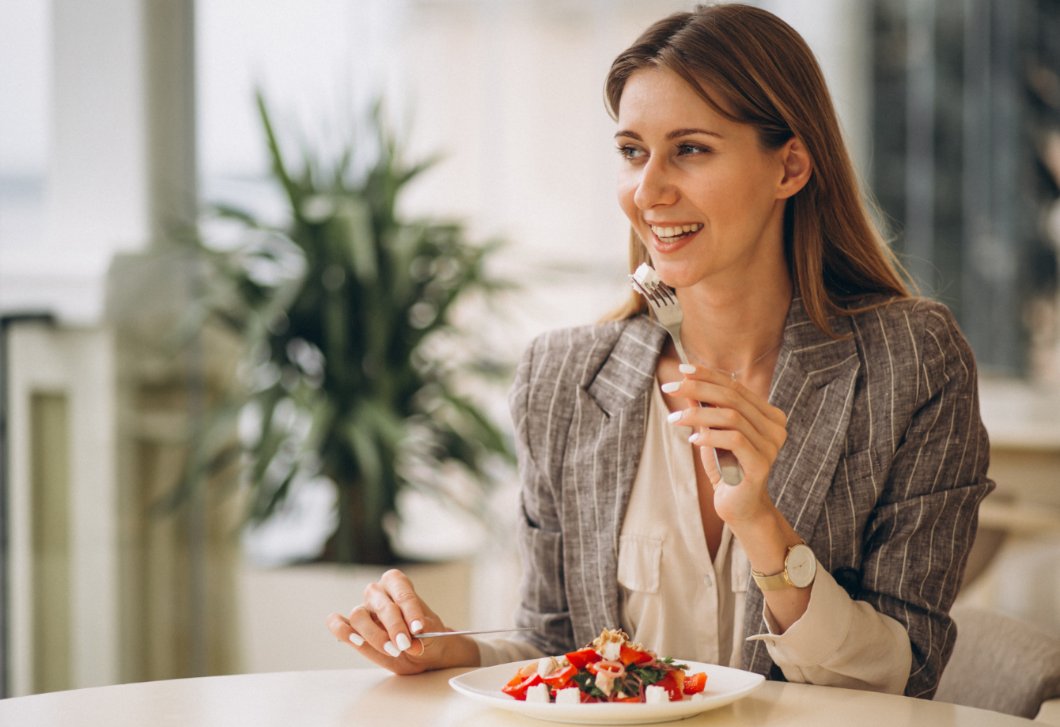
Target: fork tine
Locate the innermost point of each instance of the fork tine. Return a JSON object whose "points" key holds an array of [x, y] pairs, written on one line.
{"points": [[666, 294], [656, 293], [647, 292]]}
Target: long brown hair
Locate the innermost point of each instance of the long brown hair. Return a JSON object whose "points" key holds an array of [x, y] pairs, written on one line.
{"points": [[768, 78]]}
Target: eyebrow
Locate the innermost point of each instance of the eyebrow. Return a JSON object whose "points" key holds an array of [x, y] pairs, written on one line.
{"points": [[676, 134]]}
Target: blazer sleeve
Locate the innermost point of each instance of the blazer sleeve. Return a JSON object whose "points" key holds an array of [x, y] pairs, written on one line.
{"points": [[542, 596], [918, 537]]}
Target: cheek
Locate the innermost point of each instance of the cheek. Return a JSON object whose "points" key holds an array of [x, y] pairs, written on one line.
{"points": [[730, 197]]}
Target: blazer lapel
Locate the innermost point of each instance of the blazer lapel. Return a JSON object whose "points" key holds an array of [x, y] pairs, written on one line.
{"points": [[814, 385], [604, 448]]}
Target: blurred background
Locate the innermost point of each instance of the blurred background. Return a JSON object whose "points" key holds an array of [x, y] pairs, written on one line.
{"points": [[185, 325]]}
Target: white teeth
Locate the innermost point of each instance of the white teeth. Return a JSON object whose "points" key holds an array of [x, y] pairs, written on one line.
{"points": [[674, 231]]}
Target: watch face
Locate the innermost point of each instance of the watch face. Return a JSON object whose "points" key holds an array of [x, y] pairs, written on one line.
{"points": [[801, 565]]}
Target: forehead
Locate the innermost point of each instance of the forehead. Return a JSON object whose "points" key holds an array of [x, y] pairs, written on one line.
{"points": [[660, 96]]}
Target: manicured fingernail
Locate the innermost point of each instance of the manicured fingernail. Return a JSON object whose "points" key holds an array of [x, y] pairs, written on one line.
{"points": [[686, 369], [416, 626], [356, 639], [403, 642], [389, 648], [693, 438], [671, 387], [674, 416]]}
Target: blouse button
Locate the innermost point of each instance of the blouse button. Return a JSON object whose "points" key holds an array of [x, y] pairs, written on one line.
{"points": [[707, 580]]}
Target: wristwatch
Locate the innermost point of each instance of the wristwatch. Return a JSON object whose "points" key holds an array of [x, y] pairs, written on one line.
{"points": [[800, 568]]}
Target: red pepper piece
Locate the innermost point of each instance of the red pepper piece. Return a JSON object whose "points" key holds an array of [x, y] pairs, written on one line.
{"points": [[634, 656], [674, 683], [580, 659], [558, 679], [519, 690], [695, 683]]}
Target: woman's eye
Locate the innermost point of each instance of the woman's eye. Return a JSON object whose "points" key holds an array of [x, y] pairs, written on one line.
{"points": [[687, 149], [630, 152]]}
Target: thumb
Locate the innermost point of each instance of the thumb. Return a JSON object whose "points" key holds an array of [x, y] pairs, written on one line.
{"points": [[710, 465]]}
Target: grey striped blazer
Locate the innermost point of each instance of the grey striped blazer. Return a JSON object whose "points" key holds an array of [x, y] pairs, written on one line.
{"points": [[882, 472]]}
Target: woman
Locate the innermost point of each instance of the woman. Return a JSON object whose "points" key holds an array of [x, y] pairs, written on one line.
{"points": [[850, 405]]}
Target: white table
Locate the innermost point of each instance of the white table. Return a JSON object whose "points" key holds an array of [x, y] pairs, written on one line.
{"points": [[375, 697]]}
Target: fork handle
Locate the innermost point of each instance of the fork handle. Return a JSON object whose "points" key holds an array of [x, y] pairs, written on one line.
{"points": [[728, 465]]}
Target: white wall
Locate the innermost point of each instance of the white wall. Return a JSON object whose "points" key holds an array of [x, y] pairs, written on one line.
{"points": [[93, 122]]}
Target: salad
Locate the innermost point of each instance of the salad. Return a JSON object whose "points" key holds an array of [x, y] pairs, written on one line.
{"points": [[610, 669]]}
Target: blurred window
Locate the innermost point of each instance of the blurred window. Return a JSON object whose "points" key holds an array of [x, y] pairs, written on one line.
{"points": [[24, 120], [966, 165]]}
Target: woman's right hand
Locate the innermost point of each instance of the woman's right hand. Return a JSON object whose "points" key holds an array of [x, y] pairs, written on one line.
{"points": [[383, 630]]}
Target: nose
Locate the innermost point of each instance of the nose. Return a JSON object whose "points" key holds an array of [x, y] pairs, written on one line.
{"points": [[655, 187]]}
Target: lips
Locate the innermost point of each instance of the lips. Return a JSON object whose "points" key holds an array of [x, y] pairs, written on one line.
{"points": [[670, 234]]}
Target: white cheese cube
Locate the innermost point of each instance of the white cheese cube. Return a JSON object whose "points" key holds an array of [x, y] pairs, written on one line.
{"points": [[537, 693], [546, 666], [646, 276], [699, 697], [612, 650], [570, 695], [656, 695]]}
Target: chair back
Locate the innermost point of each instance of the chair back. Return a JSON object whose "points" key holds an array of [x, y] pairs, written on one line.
{"points": [[1000, 663]]}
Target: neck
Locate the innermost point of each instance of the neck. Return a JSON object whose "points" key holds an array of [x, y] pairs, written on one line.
{"points": [[729, 327]]}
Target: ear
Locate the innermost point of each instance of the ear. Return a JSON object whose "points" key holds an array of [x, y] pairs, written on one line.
{"points": [[797, 165]]}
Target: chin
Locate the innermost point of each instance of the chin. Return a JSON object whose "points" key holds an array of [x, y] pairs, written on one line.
{"points": [[675, 274]]}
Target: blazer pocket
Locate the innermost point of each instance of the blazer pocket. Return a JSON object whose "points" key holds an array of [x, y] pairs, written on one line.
{"points": [[857, 466], [639, 559]]}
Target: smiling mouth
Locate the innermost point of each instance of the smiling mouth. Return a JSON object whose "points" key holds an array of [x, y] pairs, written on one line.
{"points": [[675, 233]]}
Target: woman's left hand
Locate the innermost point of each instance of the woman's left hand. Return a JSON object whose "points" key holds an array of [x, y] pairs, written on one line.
{"points": [[744, 423]]}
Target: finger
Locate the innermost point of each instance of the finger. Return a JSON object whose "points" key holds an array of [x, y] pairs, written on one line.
{"points": [[400, 589], [711, 392], [390, 618], [726, 398], [340, 627], [373, 640], [366, 623], [719, 419], [715, 377], [755, 462], [710, 466]]}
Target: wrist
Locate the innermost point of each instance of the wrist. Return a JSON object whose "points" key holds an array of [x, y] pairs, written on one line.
{"points": [[762, 525], [458, 651], [765, 540]]}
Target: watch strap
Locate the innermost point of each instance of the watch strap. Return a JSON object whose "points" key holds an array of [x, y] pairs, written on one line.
{"points": [[779, 580]]}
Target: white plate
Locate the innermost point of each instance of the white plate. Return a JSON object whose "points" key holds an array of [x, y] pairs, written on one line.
{"points": [[724, 686]]}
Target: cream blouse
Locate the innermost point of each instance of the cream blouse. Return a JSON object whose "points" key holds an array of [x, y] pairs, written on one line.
{"points": [[677, 602]]}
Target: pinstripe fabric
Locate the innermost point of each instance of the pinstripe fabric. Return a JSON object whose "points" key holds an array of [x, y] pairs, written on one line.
{"points": [[883, 469]]}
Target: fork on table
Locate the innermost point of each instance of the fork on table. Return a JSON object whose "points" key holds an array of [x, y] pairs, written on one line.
{"points": [[668, 311]]}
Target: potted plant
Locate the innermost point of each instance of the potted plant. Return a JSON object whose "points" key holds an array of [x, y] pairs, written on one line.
{"points": [[353, 363]]}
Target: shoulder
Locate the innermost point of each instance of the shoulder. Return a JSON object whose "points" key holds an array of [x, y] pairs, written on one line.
{"points": [[889, 320], [576, 354], [914, 336], [559, 363], [580, 339]]}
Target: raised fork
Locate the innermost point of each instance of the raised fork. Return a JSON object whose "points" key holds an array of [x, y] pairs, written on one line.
{"points": [[668, 312]]}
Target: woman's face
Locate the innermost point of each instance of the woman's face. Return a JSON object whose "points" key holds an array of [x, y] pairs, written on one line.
{"points": [[701, 193]]}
